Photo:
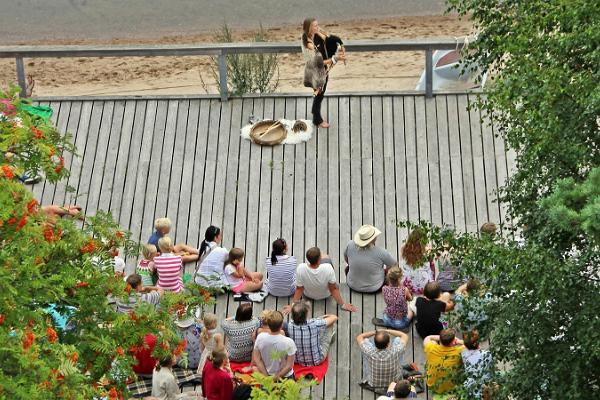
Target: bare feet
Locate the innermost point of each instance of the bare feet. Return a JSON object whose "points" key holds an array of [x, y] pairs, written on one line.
{"points": [[324, 125]]}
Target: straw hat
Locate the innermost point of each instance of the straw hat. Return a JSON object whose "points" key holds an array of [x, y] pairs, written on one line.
{"points": [[365, 235]]}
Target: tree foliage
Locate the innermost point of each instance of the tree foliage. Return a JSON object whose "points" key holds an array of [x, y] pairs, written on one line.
{"points": [[65, 264], [544, 98]]}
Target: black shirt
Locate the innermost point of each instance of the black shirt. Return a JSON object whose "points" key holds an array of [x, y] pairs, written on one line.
{"points": [[428, 316]]}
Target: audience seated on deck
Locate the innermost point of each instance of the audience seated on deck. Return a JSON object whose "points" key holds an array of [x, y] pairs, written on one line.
{"points": [[477, 364], [138, 293], [399, 390], [274, 354], [367, 263], [430, 308], [217, 382], [443, 353], [213, 257], [163, 227], [281, 271], [237, 277], [164, 383], [169, 266], [311, 336], [316, 280], [239, 333], [382, 356], [397, 314], [417, 272]]}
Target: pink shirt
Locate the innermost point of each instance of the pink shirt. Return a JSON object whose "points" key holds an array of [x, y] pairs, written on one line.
{"points": [[169, 267], [396, 307]]}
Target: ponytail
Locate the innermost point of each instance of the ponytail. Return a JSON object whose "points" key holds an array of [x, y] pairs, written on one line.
{"points": [[278, 249], [209, 236]]}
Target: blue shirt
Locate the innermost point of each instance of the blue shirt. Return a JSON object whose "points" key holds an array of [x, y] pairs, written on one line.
{"points": [[154, 239]]}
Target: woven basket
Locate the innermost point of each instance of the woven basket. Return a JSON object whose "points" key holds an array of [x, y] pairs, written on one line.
{"points": [[268, 133]]}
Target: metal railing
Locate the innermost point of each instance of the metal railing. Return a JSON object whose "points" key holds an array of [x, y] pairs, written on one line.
{"points": [[221, 50]]}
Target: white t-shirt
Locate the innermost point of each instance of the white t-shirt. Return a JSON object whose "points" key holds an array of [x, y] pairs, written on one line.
{"points": [[229, 278], [274, 350], [212, 267], [315, 280]]}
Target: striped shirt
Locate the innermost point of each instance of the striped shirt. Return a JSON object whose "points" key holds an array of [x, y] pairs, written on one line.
{"points": [[281, 277], [134, 298], [144, 269], [169, 267], [308, 341]]}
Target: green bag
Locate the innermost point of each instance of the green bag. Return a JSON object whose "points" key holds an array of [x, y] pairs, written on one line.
{"points": [[44, 112]]}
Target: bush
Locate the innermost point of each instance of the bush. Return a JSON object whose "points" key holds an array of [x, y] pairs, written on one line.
{"points": [[247, 73]]}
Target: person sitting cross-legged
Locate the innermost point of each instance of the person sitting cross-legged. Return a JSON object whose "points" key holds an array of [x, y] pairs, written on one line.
{"points": [[274, 354], [382, 356], [139, 292], [316, 280], [163, 227], [312, 336], [367, 263], [443, 353]]}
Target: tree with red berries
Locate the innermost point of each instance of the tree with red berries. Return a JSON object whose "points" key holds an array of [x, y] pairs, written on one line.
{"points": [[54, 269]]}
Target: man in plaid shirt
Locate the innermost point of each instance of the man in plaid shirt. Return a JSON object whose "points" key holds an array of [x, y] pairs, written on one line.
{"points": [[312, 336], [382, 356]]}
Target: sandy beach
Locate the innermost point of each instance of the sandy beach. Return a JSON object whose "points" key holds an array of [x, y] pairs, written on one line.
{"points": [[191, 75]]}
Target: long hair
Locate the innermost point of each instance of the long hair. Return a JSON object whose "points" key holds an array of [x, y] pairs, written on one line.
{"points": [[414, 248], [209, 320], [209, 236], [306, 29], [277, 249], [235, 254]]}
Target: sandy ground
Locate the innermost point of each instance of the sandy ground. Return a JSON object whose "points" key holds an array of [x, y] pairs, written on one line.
{"points": [[192, 75]]}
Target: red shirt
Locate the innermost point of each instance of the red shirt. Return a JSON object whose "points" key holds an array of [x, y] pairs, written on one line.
{"points": [[216, 383], [145, 362]]}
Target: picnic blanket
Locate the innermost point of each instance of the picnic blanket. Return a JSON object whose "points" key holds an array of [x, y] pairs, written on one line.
{"points": [[318, 371], [143, 386]]}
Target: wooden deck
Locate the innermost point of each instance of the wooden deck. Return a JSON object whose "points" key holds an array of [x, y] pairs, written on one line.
{"points": [[385, 158]]}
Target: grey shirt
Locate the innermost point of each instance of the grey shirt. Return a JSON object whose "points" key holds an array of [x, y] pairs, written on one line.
{"points": [[367, 266]]}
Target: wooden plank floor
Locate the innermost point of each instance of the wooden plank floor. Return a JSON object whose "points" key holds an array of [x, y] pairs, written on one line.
{"points": [[384, 159]]}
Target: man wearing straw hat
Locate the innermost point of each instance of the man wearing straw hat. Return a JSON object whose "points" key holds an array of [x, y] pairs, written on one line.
{"points": [[367, 263]]}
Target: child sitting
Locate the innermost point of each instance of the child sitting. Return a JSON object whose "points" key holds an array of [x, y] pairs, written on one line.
{"points": [[209, 339], [397, 314], [239, 278], [430, 308], [478, 365], [145, 267], [168, 266], [163, 227], [164, 383]]}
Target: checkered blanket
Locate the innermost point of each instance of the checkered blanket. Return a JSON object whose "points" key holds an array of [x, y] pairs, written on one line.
{"points": [[143, 386]]}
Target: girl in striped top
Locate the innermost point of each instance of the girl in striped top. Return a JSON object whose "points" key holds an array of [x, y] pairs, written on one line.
{"points": [[281, 271], [168, 266], [145, 267]]}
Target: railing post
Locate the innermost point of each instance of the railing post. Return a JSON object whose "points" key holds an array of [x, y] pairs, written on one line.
{"points": [[21, 76], [223, 76], [429, 73]]}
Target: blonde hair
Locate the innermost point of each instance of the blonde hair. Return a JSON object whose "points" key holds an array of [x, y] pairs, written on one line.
{"points": [[148, 250], [264, 316], [209, 319], [394, 276], [162, 223], [165, 244]]}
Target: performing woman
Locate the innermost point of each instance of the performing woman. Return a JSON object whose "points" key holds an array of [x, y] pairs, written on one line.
{"points": [[320, 52]]}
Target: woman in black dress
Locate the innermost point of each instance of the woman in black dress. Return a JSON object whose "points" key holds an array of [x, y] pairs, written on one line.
{"points": [[313, 39]]}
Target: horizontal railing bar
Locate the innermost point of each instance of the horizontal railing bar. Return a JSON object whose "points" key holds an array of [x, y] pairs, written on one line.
{"points": [[213, 49]]}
